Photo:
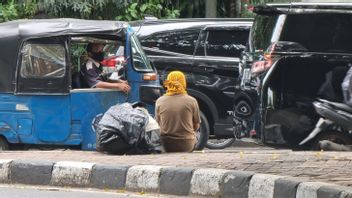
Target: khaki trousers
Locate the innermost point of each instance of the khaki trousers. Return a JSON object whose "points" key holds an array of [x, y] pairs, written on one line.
{"points": [[177, 145]]}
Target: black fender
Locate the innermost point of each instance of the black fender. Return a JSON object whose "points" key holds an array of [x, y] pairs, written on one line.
{"points": [[206, 101]]}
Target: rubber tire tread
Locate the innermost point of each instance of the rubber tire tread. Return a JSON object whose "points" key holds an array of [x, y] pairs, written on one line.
{"points": [[204, 132]]}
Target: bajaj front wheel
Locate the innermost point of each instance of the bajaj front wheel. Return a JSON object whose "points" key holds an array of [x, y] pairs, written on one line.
{"points": [[3, 144], [202, 134]]}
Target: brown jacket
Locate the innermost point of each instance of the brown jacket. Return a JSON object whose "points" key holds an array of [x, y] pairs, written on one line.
{"points": [[177, 115]]}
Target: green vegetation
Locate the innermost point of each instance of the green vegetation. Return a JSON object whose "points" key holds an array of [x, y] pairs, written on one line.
{"points": [[126, 10], [86, 9]]}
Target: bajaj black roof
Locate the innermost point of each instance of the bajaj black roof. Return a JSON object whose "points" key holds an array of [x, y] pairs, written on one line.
{"points": [[14, 33]]}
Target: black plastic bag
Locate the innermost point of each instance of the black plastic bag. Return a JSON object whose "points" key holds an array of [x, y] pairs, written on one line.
{"points": [[151, 141], [122, 130]]}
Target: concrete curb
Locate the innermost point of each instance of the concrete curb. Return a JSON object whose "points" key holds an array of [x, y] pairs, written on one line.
{"points": [[66, 173], [236, 183], [31, 172], [175, 181], [143, 178], [108, 177], [207, 181], [5, 171], [166, 180], [262, 185], [286, 187]]}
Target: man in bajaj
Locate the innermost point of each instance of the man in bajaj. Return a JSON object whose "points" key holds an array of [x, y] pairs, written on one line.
{"points": [[91, 71]]}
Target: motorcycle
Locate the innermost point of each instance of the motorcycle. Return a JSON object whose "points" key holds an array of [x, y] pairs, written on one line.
{"points": [[335, 124]]}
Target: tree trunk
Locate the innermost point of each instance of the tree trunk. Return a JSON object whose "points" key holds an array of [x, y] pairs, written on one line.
{"points": [[210, 8], [230, 8], [190, 10], [238, 8]]}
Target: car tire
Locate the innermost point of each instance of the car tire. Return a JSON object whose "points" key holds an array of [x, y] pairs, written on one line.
{"points": [[219, 143], [4, 145], [202, 134], [333, 136]]}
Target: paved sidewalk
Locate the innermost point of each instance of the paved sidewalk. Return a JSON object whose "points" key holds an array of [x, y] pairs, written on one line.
{"points": [[330, 167]]}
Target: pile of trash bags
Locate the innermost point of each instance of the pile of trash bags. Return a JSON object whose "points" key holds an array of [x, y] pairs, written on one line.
{"points": [[127, 129]]}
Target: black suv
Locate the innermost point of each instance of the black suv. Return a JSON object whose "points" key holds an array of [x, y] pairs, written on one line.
{"points": [[207, 51], [293, 49]]}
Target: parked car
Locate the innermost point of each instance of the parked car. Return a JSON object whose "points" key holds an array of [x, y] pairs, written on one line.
{"points": [[297, 52], [207, 51], [40, 104]]}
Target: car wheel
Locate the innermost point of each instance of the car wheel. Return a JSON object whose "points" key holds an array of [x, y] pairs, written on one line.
{"points": [[202, 134], [214, 143], [333, 136], [3, 144]]}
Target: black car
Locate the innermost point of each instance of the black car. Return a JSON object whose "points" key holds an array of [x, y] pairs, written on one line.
{"points": [[207, 51], [297, 53]]}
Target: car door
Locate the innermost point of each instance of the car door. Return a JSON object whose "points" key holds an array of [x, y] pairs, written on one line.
{"points": [[43, 90], [215, 65]]}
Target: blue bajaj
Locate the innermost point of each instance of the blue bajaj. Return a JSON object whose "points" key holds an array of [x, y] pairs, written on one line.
{"points": [[42, 97]]}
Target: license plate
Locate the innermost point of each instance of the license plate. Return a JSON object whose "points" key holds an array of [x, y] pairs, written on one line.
{"points": [[246, 75]]}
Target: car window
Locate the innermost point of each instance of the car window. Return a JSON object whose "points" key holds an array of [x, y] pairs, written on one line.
{"points": [[226, 43], [43, 61], [173, 41], [319, 32], [262, 31]]}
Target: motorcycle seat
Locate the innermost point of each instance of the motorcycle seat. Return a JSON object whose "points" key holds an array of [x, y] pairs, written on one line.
{"points": [[338, 105]]}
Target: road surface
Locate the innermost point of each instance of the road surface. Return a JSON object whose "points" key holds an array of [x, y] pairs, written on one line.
{"points": [[22, 191]]}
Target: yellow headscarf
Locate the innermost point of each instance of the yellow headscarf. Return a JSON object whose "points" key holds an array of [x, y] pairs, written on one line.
{"points": [[175, 83]]}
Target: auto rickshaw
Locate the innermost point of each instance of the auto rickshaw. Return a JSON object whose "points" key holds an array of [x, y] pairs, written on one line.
{"points": [[40, 100]]}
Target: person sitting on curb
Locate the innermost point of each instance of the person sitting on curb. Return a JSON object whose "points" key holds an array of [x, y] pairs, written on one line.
{"points": [[91, 70], [177, 113]]}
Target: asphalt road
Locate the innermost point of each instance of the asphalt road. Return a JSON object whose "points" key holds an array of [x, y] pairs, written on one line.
{"points": [[21, 191]]}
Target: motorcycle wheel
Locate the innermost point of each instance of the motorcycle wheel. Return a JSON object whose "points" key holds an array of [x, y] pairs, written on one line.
{"points": [[202, 134], [3, 144], [334, 136], [214, 143]]}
